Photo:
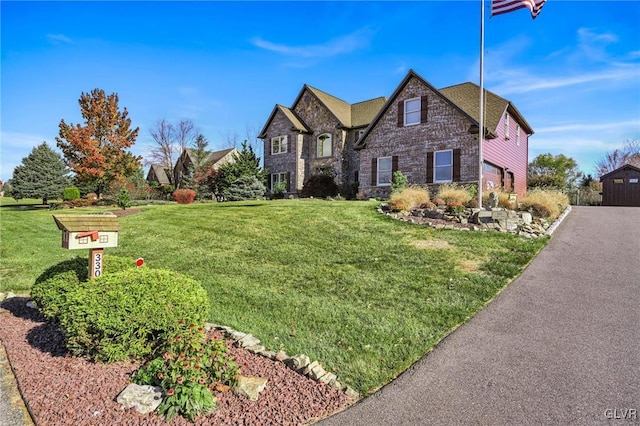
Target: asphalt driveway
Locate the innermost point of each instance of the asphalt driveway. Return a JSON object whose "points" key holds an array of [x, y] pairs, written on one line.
{"points": [[559, 346]]}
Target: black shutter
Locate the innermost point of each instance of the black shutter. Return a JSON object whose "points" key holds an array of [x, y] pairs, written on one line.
{"points": [[401, 114], [269, 179], [288, 144], [456, 165], [374, 172], [423, 109], [288, 181], [394, 165], [429, 167]]}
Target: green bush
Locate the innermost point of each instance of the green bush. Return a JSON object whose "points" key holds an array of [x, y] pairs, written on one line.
{"points": [[245, 188], [399, 182], [191, 365], [71, 193], [320, 186], [124, 314], [124, 199], [51, 288]]}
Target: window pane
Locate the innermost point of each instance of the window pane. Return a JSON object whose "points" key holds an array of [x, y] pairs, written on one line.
{"points": [[412, 117], [384, 177], [412, 111], [384, 164], [412, 105], [443, 158], [443, 173]]}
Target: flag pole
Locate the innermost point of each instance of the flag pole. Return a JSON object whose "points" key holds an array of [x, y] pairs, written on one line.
{"points": [[481, 114]]}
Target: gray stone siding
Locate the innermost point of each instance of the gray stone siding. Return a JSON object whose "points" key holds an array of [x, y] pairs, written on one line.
{"points": [[286, 162]]}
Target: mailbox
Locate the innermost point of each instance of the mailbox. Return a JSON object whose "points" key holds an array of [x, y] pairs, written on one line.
{"points": [[88, 231]]}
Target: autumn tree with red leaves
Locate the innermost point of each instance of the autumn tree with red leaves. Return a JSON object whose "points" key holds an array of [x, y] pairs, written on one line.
{"points": [[97, 151]]}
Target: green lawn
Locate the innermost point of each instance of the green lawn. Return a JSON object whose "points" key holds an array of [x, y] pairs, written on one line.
{"points": [[365, 295]]}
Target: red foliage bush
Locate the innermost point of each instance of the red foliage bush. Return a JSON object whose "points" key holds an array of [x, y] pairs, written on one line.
{"points": [[184, 196]]}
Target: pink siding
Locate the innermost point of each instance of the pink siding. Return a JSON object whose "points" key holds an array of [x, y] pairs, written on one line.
{"points": [[505, 153]]}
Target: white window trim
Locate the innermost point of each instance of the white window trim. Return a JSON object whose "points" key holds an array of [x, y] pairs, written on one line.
{"points": [[319, 142], [378, 183], [278, 178], [506, 126], [517, 135], [436, 167], [281, 141], [406, 111]]}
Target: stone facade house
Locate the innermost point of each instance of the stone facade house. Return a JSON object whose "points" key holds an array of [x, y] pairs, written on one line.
{"points": [[188, 159], [317, 134], [431, 136], [428, 134]]}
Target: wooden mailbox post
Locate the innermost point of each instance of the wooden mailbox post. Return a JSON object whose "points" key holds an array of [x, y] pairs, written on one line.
{"points": [[89, 231]]}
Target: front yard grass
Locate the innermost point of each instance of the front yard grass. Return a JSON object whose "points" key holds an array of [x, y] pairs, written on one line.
{"points": [[363, 294]]}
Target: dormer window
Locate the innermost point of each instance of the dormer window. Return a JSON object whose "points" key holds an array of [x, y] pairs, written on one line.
{"points": [[279, 145], [324, 145]]}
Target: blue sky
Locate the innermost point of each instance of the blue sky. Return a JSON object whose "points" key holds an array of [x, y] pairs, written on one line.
{"points": [[574, 72]]}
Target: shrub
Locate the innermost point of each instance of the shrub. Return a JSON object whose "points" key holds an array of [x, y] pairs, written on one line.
{"points": [[121, 315], [450, 193], [71, 193], [92, 196], [455, 207], [349, 190], [545, 203], [124, 199], [245, 188], [184, 196], [319, 186], [399, 182], [278, 190], [410, 198], [191, 364], [439, 202], [51, 287]]}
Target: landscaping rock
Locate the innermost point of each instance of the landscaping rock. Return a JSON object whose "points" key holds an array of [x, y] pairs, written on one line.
{"points": [[298, 362], [248, 341], [281, 356], [249, 387], [143, 398]]}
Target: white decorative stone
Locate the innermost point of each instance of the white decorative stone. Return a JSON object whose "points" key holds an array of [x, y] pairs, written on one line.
{"points": [[143, 398]]}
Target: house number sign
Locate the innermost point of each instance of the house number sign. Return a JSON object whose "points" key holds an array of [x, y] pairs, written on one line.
{"points": [[96, 261]]}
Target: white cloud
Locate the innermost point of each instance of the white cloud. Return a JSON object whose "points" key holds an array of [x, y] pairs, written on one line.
{"points": [[336, 46], [590, 127], [522, 82], [58, 39]]}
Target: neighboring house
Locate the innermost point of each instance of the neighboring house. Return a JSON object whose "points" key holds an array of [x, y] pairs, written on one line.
{"points": [[188, 159], [621, 187], [316, 135], [431, 136], [159, 174]]}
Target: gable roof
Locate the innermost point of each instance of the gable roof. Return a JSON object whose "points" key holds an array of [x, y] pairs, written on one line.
{"points": [[349, 116], [161, 173], [467, 96], [339, 108], [212, 157], [410, 75], [296, 122], [106, 222], [626, 167]]}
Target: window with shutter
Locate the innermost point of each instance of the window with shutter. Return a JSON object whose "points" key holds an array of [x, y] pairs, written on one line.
{"points": [[385, 171], [443, 166], [412, 111]]}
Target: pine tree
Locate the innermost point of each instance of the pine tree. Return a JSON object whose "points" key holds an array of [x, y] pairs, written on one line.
{"points": [[42, 174], [97, 151]]}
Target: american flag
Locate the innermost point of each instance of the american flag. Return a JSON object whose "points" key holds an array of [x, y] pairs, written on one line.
{"points": [[498, 7]]}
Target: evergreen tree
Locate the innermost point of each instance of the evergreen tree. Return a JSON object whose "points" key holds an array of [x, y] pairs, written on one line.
{"points": [[245, 163], [42, 174]]}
